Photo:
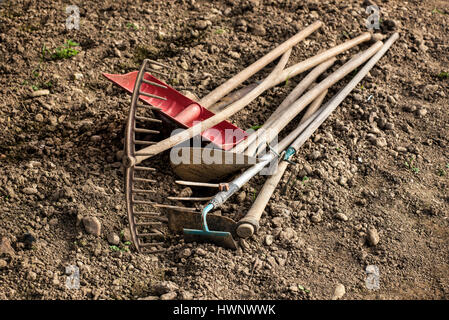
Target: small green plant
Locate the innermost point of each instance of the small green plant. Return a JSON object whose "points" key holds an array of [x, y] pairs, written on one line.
{"points": [[436, 10], [300, 287], [443, 75], [65, 51], [34, 87], [220, 31], [255, 128], [131, 25], [286, 81], [116, 248], [409, 165], [305, 179]]}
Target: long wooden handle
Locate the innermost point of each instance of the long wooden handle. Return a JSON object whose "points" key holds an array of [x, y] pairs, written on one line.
{"points": [[317, 59], [236, 80], [313, 93], [292, 97], [216, 119], [294, 70], [251, 220]]}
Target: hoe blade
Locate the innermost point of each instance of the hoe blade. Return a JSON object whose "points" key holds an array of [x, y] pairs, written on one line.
{"points": [[191, 225]]}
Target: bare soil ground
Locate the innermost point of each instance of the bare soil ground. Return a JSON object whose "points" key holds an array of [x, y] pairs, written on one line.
{"points": [[377, 163]]}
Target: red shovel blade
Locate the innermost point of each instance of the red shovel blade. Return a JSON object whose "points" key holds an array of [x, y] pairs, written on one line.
{"points": [[182, 110]]}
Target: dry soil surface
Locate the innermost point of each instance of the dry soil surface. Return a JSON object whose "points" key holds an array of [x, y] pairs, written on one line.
{"points": [[370, 188]]}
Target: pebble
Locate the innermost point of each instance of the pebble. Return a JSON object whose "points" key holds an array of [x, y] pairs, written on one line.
{"points": [[117, 53], [341, 216], [339, 292], [92, 225], [39, 117], [241, 197], [113, 238], [201, 252], [3, 263], [127, 235], [185, 295], [421, 112], [185, 253], [39, 93], [150, 298], [381, 142], [78, 76], [234, 54], [287, 234], [202, 24], [342, 181], [29, 190], [373, 237], [95, 138], [169, 296], [258, 30], [5, 247], [269, 240], [164, 287], [316, 217], [315, 155]]}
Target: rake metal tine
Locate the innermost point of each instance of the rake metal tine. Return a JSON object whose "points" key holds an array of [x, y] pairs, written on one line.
{"points": [[221, 186], [154, 83], [151, 95], [189, 198], [144, 168], [148, 119]]}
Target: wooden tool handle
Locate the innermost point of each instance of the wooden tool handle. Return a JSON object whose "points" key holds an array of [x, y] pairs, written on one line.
{"points": [[250, 223], [236, 80], [292, 97]]}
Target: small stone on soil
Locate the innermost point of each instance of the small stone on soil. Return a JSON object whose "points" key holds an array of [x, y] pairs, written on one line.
{"points": [[373, 237], [39, 93], [29, 190], [113, 238], [421, 112], [341, 216], [269, 240], [5, 247], [339, 292], [92, 225], [169, 296], [3, 263], [164, 287]]}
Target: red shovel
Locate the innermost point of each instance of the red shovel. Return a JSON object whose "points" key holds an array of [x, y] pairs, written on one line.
{"points": [[179, 109]]}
